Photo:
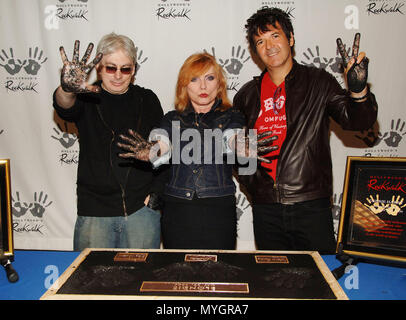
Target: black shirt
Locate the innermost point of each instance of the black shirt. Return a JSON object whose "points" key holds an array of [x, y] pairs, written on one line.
{"points": [[108, 185]]}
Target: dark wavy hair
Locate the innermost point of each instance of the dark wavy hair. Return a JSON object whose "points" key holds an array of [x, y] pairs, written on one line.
{"points": [[260, 20]]}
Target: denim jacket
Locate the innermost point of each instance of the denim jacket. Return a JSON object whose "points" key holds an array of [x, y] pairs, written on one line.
{"points": [[200, 159]]}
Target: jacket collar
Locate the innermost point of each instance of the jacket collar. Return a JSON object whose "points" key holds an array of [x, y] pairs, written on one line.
{"points": [[189, 109], [288, 77]]}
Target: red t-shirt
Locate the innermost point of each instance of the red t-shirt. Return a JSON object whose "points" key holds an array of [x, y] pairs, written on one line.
{"points": [[272, 117]]}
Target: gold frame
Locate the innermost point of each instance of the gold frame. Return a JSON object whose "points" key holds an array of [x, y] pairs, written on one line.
{"points": [[346, 208], [5, 209]]}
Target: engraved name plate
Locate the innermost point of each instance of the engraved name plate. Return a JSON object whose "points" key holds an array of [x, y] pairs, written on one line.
{"points": [[131, 256], [200, 257], [271, 259], [206, 287]]}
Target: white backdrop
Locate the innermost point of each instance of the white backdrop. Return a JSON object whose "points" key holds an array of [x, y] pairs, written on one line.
{"points": [[44, 149]]}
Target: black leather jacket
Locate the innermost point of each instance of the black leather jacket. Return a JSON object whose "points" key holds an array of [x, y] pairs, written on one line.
{"points": [[304, 170]]}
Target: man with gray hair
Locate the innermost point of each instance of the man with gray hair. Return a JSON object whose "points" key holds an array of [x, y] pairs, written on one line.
{"points": [[117, 199]]}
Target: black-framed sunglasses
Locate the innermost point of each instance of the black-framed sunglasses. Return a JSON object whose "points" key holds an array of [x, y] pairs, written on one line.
{"points": [[113, 69]]}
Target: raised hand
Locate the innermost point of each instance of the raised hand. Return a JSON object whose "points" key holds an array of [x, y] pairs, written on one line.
{"points": [[75, 74], [356, 66], [247, 148], [139, 148]]}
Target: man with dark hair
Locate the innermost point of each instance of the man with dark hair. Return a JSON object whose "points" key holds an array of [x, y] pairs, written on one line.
{"points": [[291, 196]]}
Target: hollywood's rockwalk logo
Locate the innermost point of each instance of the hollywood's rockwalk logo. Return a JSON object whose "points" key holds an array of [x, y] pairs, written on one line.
{"points": [[65, 10], [287, 5], [22, 70], [384, 7], [386, 143], [232, 65], [28, 214], [173, 10], [67, 138]]}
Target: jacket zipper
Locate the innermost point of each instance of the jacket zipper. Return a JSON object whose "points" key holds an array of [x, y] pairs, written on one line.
{"points": [[196, 122], [278, 197], [121, 186], [275, 185]]}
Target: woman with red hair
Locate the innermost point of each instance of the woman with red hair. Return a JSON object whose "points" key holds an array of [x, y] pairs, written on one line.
{"points": [[200, 207]]}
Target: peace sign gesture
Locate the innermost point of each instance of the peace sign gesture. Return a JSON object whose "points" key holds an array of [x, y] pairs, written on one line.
{"points": [[74, 74], [356, 66]]}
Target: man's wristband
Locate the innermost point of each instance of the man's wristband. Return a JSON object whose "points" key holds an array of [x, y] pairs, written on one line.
{"points": [[361, 98]]}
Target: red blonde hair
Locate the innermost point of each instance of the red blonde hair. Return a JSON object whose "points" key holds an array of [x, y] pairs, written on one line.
{"points": [[194, 66]]}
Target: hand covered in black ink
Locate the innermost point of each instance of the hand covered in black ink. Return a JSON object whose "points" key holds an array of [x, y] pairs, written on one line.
{"points": [[75, 74], [139, 148], [356, 66], [247, 148]]}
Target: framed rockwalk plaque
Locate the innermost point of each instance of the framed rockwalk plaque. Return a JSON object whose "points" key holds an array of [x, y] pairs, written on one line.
{"points": [[373, 212], [6, 232], [196, 274]]}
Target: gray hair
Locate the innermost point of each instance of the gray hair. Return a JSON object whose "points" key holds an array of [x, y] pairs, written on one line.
{"points": [[112, 42]]}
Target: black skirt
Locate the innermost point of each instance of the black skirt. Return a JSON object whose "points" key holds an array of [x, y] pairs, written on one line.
{"points": [[200, 223]]}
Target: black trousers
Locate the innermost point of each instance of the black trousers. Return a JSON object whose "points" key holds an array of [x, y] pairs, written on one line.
{"points": [[199, 223], [301, 226]]}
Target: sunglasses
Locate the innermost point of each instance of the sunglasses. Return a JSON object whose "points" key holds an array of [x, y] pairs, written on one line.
{"points": [[275, 104], [113, 69]]}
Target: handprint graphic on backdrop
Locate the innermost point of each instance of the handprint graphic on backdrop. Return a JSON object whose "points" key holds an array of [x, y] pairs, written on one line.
{"points": [[315, 60], [40, 204], [336, 211], [37, 208], [65, 138], [19, 208], [235, 63], [11, 65], [34, 61], [242, 204], [140, 61], [391, 138], [237, 60], [396, 133]]}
